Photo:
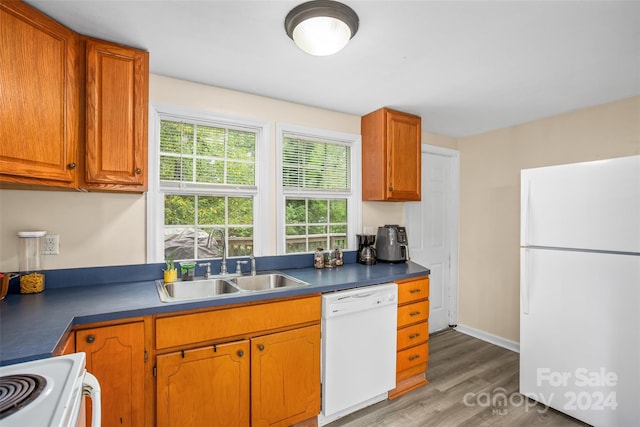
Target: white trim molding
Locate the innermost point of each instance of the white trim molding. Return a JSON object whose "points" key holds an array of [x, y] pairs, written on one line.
{"points": [[490, 338]]}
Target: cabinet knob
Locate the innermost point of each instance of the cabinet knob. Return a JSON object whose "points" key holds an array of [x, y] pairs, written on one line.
{"points": [[138, 171], [71, 165], [240, 353], [260, 347], [90, 338], [390, 188]]}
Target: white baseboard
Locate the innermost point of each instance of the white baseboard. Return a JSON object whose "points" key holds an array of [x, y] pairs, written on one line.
{"points": [[490, 338]]}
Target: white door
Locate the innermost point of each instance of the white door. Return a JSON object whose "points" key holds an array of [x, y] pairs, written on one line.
{"points": [[432, 230]]}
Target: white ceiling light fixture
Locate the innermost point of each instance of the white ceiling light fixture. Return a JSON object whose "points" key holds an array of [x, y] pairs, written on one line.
{"points": [[321, 27]]}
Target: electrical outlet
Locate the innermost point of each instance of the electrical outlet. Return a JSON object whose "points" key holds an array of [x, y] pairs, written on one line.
{"points": [[51, 245]]}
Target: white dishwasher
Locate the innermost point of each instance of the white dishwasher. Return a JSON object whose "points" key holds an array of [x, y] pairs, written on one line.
{"points": [[358, 348]]}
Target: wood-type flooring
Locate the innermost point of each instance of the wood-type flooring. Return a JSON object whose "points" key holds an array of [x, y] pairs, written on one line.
{"points": [[471, 383]]}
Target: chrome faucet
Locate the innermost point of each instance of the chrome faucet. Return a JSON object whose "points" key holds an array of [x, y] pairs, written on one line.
{"points": [[223, 263], [253, 264], [207, 272]]}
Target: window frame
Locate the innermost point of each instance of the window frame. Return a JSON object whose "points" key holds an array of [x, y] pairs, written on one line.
{"points": [[155, 194], [354, 196]]}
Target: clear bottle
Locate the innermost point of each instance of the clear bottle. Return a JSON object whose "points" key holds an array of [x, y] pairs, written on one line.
{"points": [[329, 260], [30, 261], [318, 258], [337, 254]]}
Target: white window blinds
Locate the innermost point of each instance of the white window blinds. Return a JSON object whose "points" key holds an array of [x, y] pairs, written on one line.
{"points": [[192, 153], [315, 165]]}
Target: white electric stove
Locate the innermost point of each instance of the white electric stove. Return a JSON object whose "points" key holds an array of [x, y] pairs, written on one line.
{"points": [[48, 392]]}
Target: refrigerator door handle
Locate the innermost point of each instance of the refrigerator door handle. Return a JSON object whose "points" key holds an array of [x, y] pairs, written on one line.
{"points": [[525, 232], [524, 279]]}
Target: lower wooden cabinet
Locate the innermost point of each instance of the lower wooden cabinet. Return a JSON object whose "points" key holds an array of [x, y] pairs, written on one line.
{"points": [[274, 377], [207, 386], [285, 377], [413, 335], [255, 365], [115, 355]]}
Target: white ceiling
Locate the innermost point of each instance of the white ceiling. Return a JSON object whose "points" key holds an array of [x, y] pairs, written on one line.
{"points": [[466, 67]]}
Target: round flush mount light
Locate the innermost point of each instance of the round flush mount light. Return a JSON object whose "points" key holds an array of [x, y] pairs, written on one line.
{"points": [[321, 27]]}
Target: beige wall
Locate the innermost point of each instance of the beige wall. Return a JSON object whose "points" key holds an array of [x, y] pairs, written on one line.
{"points": [[490, 199], [95, 229]]}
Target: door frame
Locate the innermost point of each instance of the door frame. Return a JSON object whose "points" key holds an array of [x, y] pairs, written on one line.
{"points": [[453, 209]]}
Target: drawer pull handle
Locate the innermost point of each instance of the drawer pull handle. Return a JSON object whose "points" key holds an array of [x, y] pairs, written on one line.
{"points": [[412, 358], [260, 347], [415, 291], [415, 313], [414, 336], [240, 353], [90, 338]]}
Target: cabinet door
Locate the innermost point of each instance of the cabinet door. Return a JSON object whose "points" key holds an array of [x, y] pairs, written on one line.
{"points": [[117, 93], [207, 386], [39, 98], [285, 377], [115, 355], [403, 156]]}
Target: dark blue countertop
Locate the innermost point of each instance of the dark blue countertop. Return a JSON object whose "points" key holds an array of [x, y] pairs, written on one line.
{"points": [[31, 326]]}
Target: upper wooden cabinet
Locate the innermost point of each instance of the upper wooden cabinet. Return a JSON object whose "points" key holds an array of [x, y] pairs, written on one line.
{"points": [[39, 98], [391, 160], [117, 96], [73, 110]]}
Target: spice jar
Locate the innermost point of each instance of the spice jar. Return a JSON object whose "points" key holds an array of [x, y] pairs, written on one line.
{"points": [[30, 261], [187, 271], [329, 260], [318, 258], [337, 254]]}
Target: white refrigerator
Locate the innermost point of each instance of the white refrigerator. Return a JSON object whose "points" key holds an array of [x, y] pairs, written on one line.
{"points": [[580, 289]]}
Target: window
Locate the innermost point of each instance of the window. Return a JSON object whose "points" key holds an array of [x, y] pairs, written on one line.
{"points": [[208, 175], [319, 192]]}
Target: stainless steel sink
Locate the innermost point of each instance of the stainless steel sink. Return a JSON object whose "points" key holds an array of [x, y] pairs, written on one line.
{"points": [[225, 285], [194, 289], [267, 281]]}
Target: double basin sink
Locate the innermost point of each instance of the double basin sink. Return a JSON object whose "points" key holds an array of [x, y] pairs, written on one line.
{"points": [[225, 285]]}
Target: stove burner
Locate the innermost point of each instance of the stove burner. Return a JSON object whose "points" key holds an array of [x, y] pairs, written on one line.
{"points": [[17, 391]]}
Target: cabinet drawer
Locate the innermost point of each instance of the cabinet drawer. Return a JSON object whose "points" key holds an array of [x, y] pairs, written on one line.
{"points": [[413, 290], [218, 324], [412, 335], [412, 356], [413, 313]]}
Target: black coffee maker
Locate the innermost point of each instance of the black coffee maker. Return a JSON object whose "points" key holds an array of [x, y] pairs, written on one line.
{"points": [[366, 251]]}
